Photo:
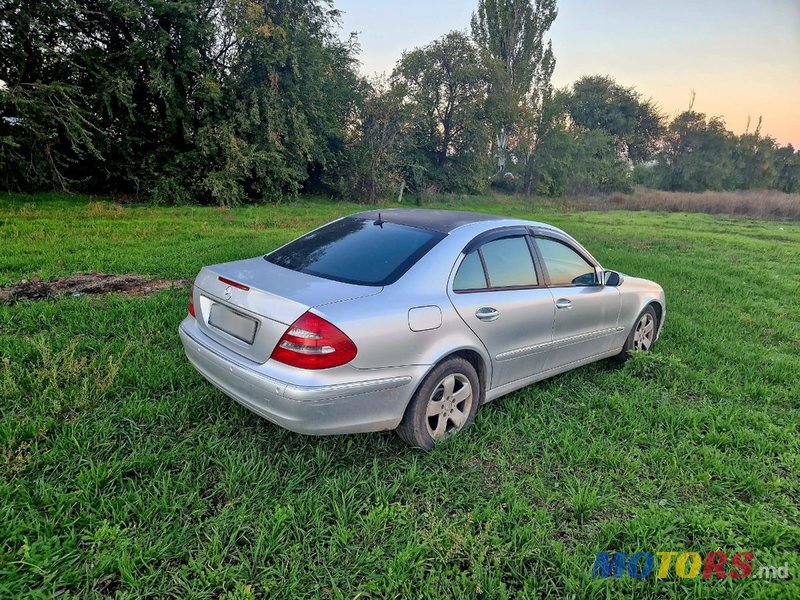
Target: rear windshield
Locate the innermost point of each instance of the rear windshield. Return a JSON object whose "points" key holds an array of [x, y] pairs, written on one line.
{"points": [[357, 251]]}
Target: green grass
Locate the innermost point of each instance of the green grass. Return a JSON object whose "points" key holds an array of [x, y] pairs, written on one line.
{"points": [[123, 473]]}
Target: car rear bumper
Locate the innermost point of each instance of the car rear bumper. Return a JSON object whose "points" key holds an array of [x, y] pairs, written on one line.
{"points": [[375, 401]]}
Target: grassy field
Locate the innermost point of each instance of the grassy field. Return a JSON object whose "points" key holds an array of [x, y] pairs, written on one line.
{"points": [[123, 473]]}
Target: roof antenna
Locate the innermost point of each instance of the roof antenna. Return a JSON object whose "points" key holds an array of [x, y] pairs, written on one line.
{"points": [[380, 221]]}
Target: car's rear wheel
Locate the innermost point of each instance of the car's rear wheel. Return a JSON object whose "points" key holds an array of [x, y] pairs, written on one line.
{"points": [[642, 336], [444, 404]]}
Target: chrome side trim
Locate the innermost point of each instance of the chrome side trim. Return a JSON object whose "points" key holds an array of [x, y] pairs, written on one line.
{"points": [[495, 393], [560, 343], [584, 337], [525, 350]]}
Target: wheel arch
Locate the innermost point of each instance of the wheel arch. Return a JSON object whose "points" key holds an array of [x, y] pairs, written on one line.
{"points": [[477, 361], [472, 356], [658, 307]]}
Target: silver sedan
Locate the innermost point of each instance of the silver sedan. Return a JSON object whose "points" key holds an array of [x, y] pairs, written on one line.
{"points": [[409, 320]]}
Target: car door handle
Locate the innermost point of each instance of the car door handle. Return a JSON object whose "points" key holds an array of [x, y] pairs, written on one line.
{"points": [[487, 313], [563, 303]]}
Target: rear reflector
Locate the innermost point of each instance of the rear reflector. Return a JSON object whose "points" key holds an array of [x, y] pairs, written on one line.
{"points": [[191, 302], [233, 283], [311, 342]]}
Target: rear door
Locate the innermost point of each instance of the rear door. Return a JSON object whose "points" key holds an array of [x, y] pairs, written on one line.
{"points": [[586, 312], [501, 297]]}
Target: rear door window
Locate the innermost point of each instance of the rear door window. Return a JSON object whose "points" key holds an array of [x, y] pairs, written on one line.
{"points": [[470, 274], [507, 262]]}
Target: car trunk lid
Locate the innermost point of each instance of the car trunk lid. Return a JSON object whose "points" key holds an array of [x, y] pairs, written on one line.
{"points": [[247, 305]]}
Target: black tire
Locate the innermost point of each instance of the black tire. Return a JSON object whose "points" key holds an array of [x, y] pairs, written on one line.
{"points": [[632, 344], [421, 430]]}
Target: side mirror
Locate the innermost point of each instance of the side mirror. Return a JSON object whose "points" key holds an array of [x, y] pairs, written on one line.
{"points": [[611, 278]]}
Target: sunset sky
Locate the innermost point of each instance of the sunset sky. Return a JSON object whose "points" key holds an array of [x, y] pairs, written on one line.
{"points": [[741, 57]]}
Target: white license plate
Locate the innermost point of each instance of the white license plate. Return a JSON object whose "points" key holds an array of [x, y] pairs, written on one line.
{"points": [[241, 327]]}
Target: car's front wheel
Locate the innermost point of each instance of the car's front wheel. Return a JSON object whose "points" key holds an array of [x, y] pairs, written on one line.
{"points": [[444, 404], [642, 336]]}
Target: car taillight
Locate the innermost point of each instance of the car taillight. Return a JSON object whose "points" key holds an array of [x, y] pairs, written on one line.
{"points": [[311, 342], [191, 302]]}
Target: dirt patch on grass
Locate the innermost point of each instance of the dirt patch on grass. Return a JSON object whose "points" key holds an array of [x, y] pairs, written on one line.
{"points": [[81, 284]]}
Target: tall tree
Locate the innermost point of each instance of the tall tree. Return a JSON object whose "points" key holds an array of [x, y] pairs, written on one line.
{"points": [[511, 38], [445, 87], [634, 122]]}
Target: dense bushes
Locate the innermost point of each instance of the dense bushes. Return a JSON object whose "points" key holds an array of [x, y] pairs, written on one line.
{"points": [[575, 161], [210, 100]]}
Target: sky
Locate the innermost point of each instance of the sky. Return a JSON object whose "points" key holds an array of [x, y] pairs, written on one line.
{"points": [[741, 58]]}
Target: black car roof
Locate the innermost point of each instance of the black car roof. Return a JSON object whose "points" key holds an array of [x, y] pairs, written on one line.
{"points": [[437, 220]]}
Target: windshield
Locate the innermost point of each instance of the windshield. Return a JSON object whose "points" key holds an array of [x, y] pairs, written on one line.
{"points": [[357, 251]]}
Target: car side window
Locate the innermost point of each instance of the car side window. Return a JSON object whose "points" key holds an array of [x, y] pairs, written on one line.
{"points": [[508, 263], [564, 265], [470, 274]]}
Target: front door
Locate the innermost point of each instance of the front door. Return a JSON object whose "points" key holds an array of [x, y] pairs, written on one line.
{"points": [[586, 313], [500, 296]]}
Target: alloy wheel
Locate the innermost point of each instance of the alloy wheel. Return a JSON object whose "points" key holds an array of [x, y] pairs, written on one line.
{"points": [[644, 334], [449, 406]]}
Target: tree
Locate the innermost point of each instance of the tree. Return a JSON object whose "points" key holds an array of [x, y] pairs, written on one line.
{"points": [[45, 125], [288, 87], [374, 144], [572, 160], [787, 169], [697, 155], [754, 160], [210, 100], [635, 123], [538, 134], [510, 35], [445, 89]]}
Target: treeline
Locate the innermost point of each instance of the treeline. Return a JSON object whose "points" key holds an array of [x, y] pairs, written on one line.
{"points": [[697, 153], [229, 101]]}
